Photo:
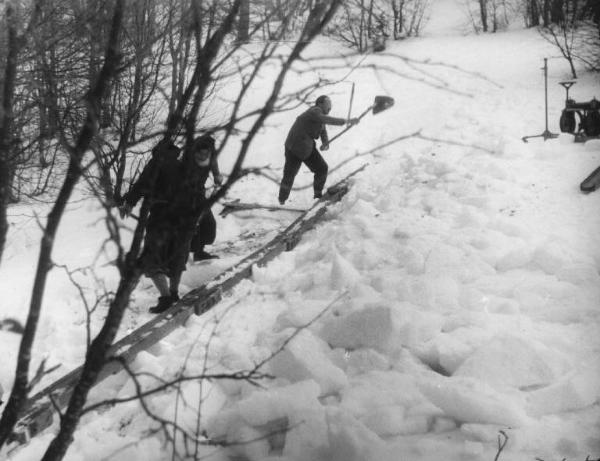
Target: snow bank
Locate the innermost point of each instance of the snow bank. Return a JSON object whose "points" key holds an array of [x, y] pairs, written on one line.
{"points": [[290, 422], [389, 404], [575, 391], [470, 401], [343, 273], [514, 362], [382, 327], [306, 357], [552, 256], [451, 348]]}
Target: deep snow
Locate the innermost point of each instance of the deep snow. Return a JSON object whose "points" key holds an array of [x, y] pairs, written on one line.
{"points": [[461, 278]]}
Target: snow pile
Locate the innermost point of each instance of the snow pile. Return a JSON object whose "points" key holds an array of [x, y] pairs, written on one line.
{"points": [[381, 327], [471, 401], [573, 392], [305, 357]]}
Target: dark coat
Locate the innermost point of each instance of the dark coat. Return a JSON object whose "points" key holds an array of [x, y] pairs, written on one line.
{"points": [[309, 125], [158, 182], [175, 189], [191, 193]]}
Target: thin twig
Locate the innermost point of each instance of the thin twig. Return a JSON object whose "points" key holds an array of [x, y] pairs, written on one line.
{"points": [[502, 441]]}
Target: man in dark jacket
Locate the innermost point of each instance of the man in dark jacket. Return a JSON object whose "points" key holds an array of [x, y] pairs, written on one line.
{"points": [[300, 146]]}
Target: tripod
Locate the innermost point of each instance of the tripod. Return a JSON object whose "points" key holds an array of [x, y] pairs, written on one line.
{"points": [[546, 134]]}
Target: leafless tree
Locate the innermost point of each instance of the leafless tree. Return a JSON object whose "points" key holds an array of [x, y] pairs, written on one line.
{"points": [[243, 32], [359, 21], [351, 25], [483, 14], [532, 13], [15, 42], [73, 173], [495, 15], [574, 29], [554, 12], [416, 15]]}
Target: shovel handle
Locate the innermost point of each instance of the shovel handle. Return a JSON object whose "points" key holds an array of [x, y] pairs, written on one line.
{"points": [[348, 127], [351, 99]]}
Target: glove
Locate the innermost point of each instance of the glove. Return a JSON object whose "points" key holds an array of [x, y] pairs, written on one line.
{"points": [[352, 121], [125, 210], [324, 146], [218, 179]]}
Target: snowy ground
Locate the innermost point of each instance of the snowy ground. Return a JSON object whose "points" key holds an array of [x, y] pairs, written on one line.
{"points": [[460, 278]]}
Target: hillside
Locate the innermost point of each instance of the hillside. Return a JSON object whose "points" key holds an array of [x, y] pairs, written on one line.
{"points": [[463, 267]]}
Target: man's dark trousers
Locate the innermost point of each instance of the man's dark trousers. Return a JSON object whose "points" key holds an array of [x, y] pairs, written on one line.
{"points": [[314, 162]]}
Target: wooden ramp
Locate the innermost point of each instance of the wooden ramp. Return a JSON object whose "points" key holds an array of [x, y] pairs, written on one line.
{"points": [[40, 409]]}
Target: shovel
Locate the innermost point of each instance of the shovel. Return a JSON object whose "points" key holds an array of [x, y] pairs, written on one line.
{"points": [[380, 104]]}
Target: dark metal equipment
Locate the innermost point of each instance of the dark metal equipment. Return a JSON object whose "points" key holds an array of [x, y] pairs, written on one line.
{"points": [[588, 115], [546, 134]]}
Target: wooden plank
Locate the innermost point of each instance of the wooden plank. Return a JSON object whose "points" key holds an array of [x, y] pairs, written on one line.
{"points": [[237, 205], [40, 409]]}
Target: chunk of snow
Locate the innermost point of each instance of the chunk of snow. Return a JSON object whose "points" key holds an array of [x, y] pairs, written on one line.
{"points": [[499, 305], [509, 227], [573, 392], [437, 292], [381, 327], [451, 348], [298, 318], [443, 424], [296, 413], [364, 360], [481, 432], [579, 273], [515, 258], [306, 357], [364, 208], [391, 420], [380, 390], [244, 442], [470, 401], [513, 361], [552, 256], [263, 406], [349, 439], [412, 260], [343, 273]]}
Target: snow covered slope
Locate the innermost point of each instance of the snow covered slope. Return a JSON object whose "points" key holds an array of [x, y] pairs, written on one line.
{"points": [[453, 293]]}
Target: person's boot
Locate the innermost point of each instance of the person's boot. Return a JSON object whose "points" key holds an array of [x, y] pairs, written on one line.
{"points": [[164, 302], [318, 194], [203, 255], [284, 194]]}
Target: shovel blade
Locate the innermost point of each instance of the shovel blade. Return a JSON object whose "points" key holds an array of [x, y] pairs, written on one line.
{"points": [[382, 103]]}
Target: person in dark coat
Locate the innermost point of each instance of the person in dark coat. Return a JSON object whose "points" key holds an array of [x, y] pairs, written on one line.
{"points": [[300, 146], [158, 182], [206, 231], [175, 190]]}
